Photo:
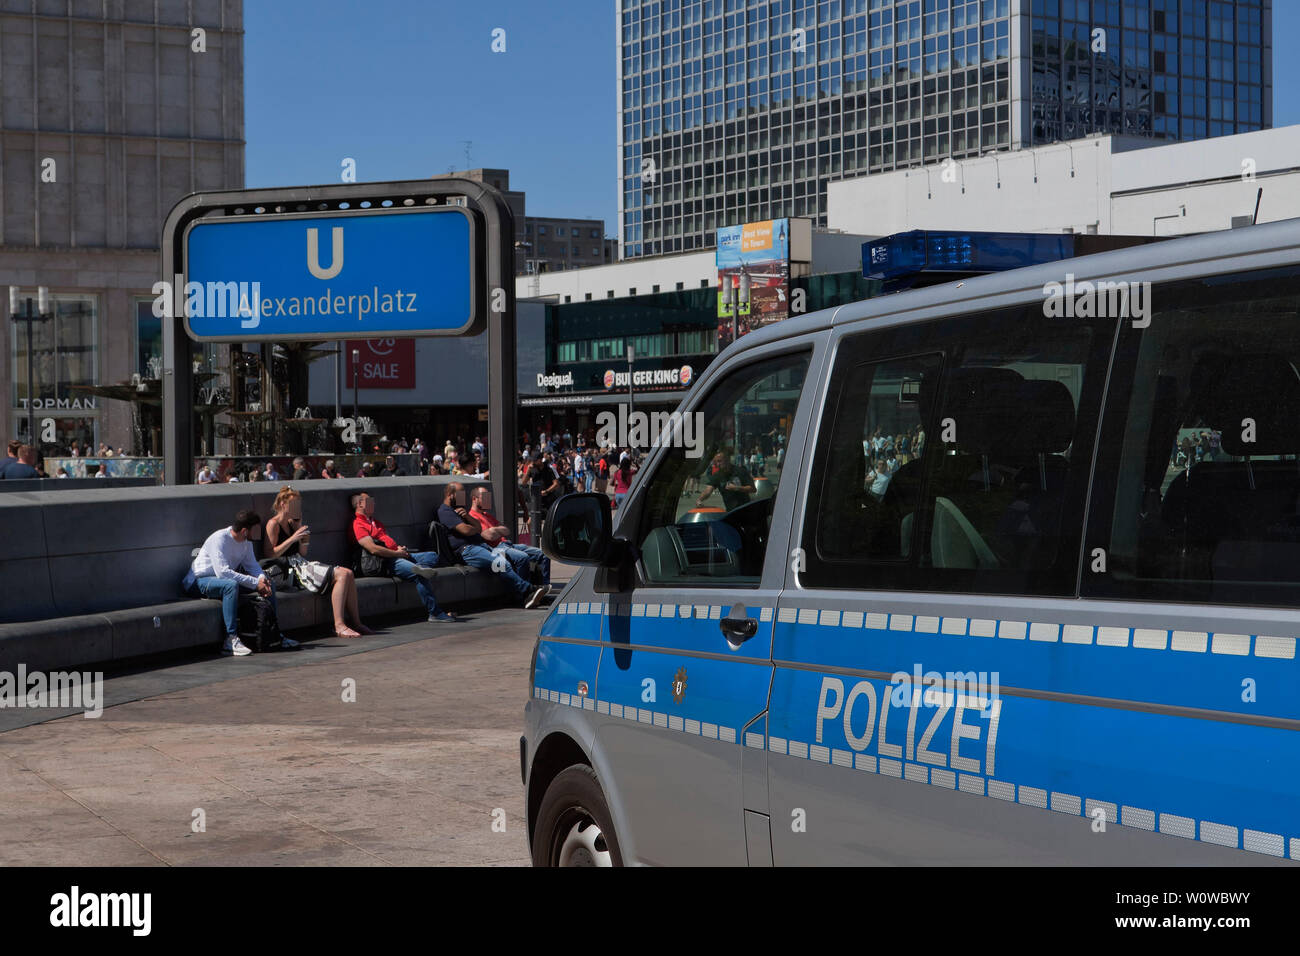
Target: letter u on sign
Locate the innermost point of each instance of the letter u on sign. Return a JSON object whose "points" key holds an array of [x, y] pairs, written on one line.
{"points": [[313, 253]]}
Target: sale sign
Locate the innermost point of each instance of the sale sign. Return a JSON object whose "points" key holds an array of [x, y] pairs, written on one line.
{"points": [[382, 363]]}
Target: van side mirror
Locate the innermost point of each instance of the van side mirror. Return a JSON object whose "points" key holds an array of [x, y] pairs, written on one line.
{"points": [[579, 529]]}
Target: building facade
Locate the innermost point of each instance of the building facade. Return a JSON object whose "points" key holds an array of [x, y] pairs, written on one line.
{"points": [[732, 111], [1100, 185], [112, 111], [542, 243]]}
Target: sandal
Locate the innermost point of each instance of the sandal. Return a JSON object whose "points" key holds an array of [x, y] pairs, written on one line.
{"points": [[345, 632]]}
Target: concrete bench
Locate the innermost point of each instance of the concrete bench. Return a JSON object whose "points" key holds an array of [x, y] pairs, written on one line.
{"points": [[94, 576]]}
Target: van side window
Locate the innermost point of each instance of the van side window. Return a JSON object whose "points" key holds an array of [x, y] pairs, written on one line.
{"points": [[1201, 445], [873, 464], [974, 454], [708, 506]]}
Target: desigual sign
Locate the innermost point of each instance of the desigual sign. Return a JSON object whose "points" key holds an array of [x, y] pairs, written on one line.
{"points": [[555, 380]]}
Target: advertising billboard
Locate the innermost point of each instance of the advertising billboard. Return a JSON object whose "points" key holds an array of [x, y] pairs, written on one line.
{"points": [[382, 363], [753, 277]]}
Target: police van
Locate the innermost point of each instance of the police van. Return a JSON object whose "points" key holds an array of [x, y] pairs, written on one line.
{"points": [[978, 598]]}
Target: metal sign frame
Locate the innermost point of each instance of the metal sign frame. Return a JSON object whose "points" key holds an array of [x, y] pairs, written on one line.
{"points": [[495, 255], [473, 325]]}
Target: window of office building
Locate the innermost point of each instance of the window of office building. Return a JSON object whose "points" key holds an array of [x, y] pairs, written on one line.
{"points": [[65, 353], [148, 340]]}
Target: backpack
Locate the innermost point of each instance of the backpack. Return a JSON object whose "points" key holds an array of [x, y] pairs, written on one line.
{"points": [[257, 625], [441, 540]]}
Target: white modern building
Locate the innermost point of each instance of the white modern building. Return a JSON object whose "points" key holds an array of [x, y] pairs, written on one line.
{"points": [[828, 251], [1107, 185]]}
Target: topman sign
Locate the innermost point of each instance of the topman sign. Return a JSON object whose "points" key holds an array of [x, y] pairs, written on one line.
{"points": [[342, 274]]}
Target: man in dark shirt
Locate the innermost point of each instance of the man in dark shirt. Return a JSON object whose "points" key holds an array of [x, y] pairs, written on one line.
{"points": [[390, 468], [11, 458], [465, 534], [733, 482], [300, 472], [24, 466]]}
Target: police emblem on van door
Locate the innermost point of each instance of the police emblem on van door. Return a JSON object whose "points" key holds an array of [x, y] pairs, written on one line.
{"points": [[679, 685]]}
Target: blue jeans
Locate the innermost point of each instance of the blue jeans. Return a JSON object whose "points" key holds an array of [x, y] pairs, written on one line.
{"points": [[529, 554], [225, 590], [590, 480], [405, 569], [478, 556]]}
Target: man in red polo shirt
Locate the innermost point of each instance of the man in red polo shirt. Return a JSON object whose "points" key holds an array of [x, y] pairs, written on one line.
{"points": [[497, 535], [396, 560]]}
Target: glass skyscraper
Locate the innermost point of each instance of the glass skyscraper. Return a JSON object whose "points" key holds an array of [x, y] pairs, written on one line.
{"points": [[732, 111]]}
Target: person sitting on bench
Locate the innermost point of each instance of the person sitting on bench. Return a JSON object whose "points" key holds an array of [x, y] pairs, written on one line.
{"points": [[390, 558], [464, 534], [288, 538], [497, 535], [225, 565]]}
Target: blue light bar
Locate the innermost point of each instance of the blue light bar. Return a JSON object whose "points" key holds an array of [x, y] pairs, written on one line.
{"points": [[910, 253]]}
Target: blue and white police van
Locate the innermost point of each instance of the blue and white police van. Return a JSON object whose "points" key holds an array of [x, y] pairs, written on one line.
{"points": [[1021, 585]]}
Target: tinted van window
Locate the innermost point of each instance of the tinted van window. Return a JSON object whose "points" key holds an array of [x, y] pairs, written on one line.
{"points": [[1202, 447], [979, 487]]}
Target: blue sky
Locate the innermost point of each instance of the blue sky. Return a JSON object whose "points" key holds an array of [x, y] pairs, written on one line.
{"points": [[399, 87]]}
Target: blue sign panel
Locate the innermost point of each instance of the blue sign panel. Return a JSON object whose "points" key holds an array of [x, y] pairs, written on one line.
{"points": [[908, 253], [358, 275]]}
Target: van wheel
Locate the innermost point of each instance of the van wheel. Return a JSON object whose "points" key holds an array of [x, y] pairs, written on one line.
{"points": [[573, 823]]}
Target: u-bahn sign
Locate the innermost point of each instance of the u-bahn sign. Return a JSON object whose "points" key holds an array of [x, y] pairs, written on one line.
{"points": [[342, 274]]}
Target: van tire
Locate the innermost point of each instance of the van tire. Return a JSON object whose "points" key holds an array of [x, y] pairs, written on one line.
{"points": [[573, 804]]}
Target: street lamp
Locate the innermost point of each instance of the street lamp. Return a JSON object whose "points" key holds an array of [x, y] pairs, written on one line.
{"points": [[42, 313], [631, 406], [356, 363]]}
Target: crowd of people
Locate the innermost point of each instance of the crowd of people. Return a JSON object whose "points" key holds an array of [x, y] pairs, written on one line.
{"points": [[886, 453], [1206, 446], [227, 568]]}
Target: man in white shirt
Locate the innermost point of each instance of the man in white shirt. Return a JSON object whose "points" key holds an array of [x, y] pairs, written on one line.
{"points": [[225, 564]]}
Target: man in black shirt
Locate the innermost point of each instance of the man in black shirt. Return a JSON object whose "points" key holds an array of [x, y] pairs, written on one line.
{"points": [[464, 533], [11, 458], [732, 481], [543, 486], [390, 468], [24, 466]]}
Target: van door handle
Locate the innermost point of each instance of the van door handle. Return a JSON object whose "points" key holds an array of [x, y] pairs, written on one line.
{"points": [[737, 627]]}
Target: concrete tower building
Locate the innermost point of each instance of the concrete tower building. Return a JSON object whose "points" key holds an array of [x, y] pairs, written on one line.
{"points": [[112, 110]]}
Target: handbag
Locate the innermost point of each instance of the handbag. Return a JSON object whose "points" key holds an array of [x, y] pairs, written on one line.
{"points": [[308, 575], [277, 573], [369, 565]]}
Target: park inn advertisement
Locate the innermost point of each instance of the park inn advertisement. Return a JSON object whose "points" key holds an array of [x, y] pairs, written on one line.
{"points": [[753, 277]]}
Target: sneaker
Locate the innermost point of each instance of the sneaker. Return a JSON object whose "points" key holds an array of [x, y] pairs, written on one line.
{"points": [[235, 647], [427, 573], [535, 598], [442, 617], [287, 642]]}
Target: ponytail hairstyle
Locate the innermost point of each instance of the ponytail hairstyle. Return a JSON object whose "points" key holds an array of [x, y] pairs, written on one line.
{"points": [[287, 493]]}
